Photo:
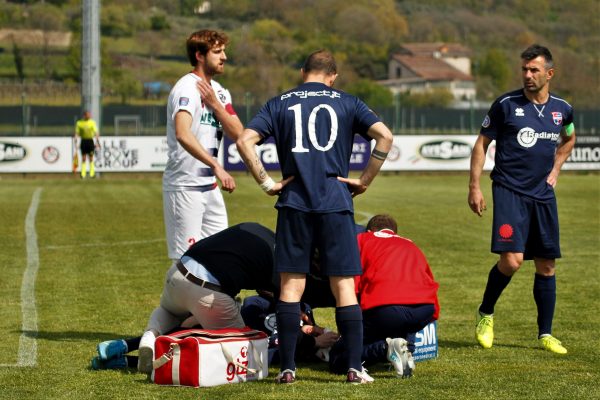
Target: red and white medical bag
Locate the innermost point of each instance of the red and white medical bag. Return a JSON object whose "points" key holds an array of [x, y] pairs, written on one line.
{"points": [[197, 357]]}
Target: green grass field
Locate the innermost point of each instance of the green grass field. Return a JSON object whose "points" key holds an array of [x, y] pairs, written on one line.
{"points": [[102, 258]]}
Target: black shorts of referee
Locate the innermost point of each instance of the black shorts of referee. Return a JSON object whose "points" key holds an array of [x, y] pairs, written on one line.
{"points": [[87, 146]]}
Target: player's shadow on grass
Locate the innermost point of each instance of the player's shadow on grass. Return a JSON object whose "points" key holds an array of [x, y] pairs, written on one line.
{"points": [[74, 335], [450, 344], [455, 344]]}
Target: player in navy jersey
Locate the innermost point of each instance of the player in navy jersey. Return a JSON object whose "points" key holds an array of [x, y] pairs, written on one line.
{"points": [[313, 126], [534, 135]]}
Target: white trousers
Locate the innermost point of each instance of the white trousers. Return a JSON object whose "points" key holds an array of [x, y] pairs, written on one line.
{"points": [[180, 297]]}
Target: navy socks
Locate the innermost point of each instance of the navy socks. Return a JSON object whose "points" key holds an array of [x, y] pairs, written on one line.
{"points": [[496, 283], [544, 293], [288, 323], [349, 322]]}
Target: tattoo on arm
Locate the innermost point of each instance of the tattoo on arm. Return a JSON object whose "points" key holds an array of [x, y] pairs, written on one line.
{"points": [[262, 174]]}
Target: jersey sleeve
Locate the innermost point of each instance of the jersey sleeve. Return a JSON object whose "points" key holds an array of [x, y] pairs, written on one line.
{"points": [[225, 98], [187, 98], [365, 118], [568, 119], [262, 122], [493, 121]]}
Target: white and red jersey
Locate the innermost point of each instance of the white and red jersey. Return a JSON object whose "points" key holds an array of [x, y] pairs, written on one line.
{"points": [[183, 171], [395, 271]]}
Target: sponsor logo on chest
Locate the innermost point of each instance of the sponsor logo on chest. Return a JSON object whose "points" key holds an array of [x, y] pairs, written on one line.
{"points": [[208, 118], [528, 137]]}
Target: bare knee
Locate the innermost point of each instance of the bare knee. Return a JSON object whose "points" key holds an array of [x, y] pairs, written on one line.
{"points": [[510, 263], [292, 286], [544, 266], [343, 290]]}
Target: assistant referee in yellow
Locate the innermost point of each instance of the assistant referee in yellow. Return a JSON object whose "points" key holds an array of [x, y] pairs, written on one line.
{"points": [[87, 130]]}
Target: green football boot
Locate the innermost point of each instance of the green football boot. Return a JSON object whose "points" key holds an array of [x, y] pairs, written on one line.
{"points": [[484, 330]]}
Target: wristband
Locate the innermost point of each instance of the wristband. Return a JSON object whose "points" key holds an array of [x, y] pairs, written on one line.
{"points": [[267, 185], [379, 155]]}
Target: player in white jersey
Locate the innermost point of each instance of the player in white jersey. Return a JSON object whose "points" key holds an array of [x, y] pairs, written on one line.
{"points": [[199, 110]]}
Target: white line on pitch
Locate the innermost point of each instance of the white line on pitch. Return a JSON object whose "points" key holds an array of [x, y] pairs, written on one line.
{"points": [[28, 342], [126, 243], [365, 217], [27, 356]]}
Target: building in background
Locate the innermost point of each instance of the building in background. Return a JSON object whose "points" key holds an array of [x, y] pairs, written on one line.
{"points": [[424, 67]]}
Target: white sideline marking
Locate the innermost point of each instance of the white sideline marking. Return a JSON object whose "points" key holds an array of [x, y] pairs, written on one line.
{"points": [[27, 342], [366, 217], [127, 243]]}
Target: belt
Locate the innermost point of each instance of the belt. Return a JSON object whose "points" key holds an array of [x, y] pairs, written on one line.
{"points": [[203, 188], [194, 279]]}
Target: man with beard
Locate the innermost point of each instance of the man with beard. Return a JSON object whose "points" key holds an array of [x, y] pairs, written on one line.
{"points": [[199, 110]]}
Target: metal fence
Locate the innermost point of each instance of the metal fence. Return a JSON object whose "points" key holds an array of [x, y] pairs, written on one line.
{"points": [[131, 120]]}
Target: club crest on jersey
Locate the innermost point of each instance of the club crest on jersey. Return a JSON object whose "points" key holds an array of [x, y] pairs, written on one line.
{"points": [[519, 112], [557, 118], [184, 101], [486, 121]]}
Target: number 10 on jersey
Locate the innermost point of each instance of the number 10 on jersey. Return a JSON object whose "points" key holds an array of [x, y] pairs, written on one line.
{"points": [[312, 128]]}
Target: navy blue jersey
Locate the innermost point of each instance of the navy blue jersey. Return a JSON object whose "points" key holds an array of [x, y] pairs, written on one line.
{"points": [[526, 137], [314, 127]]}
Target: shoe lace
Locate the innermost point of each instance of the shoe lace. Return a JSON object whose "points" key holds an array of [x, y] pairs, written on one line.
{"points": [[552, 341], [485, 321]]}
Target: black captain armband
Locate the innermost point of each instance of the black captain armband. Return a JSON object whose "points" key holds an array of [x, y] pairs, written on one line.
{"points": [[379, 155]]}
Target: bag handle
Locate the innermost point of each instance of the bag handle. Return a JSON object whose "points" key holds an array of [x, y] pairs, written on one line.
{"points": [[257, 356], [166, 357], [229, 357]]}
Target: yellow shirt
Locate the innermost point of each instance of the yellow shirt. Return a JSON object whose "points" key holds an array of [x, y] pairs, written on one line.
{"points": [[86, 129]]}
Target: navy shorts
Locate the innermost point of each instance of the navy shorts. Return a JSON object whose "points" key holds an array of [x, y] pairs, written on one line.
{"points": [[524, 225], [333, 234]]}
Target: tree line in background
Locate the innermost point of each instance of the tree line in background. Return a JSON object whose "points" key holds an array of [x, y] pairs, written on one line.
{"points": [[143, 41]]}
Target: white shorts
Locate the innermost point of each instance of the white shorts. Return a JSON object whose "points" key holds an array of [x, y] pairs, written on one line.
{"points": [[191, 216]]}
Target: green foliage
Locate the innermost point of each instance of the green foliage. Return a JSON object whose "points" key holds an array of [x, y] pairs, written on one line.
{"points": [[373, 94], [237, 9], [525, 8], [123, 84], [73, 62], [187, 7], [438, 97], [159, 22], [18, 59], [274, 39], [11, 15], [495, 65], [271, 38], [46, 17], [122, 21], [58, 3]]}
